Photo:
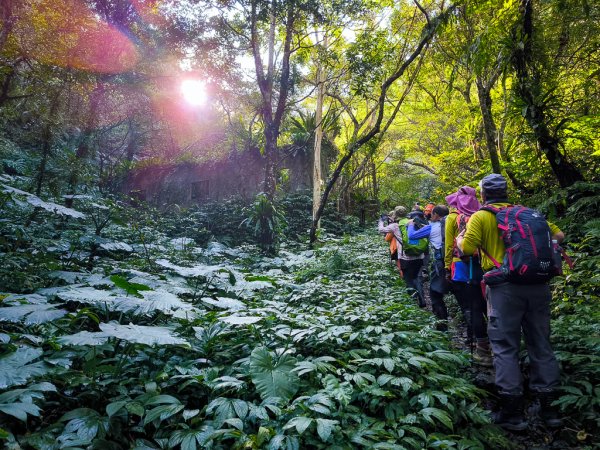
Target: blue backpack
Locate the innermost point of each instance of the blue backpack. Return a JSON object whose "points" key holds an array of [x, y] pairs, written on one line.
{"points": [[531, 257]]}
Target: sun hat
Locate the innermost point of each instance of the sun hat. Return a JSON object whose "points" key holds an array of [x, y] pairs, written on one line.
{"points": [[464, 200]]}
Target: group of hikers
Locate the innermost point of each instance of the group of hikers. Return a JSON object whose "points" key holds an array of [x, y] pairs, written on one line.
{"points": [[496, 259]]}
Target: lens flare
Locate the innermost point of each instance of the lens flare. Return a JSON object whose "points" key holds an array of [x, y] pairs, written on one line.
{"points": [[194, 92], [67, 33]]}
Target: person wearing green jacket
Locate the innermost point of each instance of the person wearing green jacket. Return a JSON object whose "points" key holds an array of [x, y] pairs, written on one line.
{"points": [[513, 310], [465, 274]]}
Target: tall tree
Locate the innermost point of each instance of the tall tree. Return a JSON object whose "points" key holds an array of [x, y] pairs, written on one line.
{"points": [[379, 116], [320, 89], [529, 87]]}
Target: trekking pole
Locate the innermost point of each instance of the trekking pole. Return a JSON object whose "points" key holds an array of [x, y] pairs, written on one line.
{"points": [[472, 337]]}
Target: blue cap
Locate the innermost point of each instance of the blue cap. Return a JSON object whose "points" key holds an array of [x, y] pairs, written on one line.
{"points": [[494, 184]]}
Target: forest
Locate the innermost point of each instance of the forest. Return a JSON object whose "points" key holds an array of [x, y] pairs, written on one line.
{"points": [[189, 199]]}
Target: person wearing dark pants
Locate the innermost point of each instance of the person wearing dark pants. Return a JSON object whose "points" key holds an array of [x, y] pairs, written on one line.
{"points": [[514, 309], [410, 265], [527, 308], [438, 286], [465, 274], [472, 304], [411, 270]]}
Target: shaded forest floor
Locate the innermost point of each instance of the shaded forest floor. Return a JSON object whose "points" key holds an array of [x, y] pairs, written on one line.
{"points": [[123, 328], [222, 347]]}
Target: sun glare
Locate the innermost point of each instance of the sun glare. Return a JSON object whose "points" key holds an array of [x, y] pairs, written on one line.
{"points": [[194, 92]]}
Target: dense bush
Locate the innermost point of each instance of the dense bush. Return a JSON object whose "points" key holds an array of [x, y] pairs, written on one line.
{"points": [[576, 314], [297, 209]]}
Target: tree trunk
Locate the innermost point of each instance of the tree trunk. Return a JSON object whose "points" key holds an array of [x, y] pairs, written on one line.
{"points": [[47, 136], [83, 150], [528, 84], [489, 126], [271, 114], [7, 19], [317, 176], [375, 182], [270, 163], [428, 32]]}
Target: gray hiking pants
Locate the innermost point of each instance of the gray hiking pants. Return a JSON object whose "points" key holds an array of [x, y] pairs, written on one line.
{"points": [[512, 308]]}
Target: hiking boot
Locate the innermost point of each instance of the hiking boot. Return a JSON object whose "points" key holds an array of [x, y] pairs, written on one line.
{"points": [[510, 416], [548, 413], [483, 354], [441, 325]]}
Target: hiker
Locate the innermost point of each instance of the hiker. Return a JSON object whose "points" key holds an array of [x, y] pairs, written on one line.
{"points": [[410, 254], [428, 209], [438, 285], [389, 237], [515, 305], [417, 216], [465, 274]]}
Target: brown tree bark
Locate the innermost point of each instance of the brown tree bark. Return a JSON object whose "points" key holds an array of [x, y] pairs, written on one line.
{"points": [[489, 126], [272, 111]]}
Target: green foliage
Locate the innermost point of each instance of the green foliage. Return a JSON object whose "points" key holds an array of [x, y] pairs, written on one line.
{"points": [[266, 222], [331, 265], [297, 209], [343, 358], [131, 288], [273, 374], [18, 367], [575, 328]]}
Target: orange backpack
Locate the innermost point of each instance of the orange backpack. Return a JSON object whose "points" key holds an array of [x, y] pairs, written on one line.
{"points": [[393, 244]]}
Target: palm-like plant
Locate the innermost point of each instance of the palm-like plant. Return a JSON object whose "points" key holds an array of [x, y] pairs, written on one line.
{"points": [[266, 222]]}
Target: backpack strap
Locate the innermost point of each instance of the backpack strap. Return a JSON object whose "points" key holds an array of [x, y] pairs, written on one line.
{"points": [[491, 258], [504, 227], [493, 209], [567, 258]]}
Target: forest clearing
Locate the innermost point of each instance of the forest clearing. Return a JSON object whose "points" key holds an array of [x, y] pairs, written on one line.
{"points": [[297, 224]]}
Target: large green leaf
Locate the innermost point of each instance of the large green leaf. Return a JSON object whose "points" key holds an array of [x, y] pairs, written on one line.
{"points": [[20, 410], [17, 368], [284, 442], [272, 375], [301, 423], [130, 288], [20, 402], [83, 426], [131, 333], [325, 427], [439, 414], [31, 314]]}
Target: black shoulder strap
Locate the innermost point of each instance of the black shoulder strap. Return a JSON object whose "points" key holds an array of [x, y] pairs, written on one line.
{"points": [[443, 230]]}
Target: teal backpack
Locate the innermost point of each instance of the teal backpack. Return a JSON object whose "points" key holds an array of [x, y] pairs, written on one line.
{"points": [[411, 247]]}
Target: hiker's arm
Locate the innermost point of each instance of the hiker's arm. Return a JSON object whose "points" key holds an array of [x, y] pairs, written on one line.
{"points": [[473, 236], [385, 228], [420, 233], [449, 235], [557, 234]]}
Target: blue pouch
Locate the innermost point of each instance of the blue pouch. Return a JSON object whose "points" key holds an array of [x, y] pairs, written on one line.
{"points": [[460, 271]]}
